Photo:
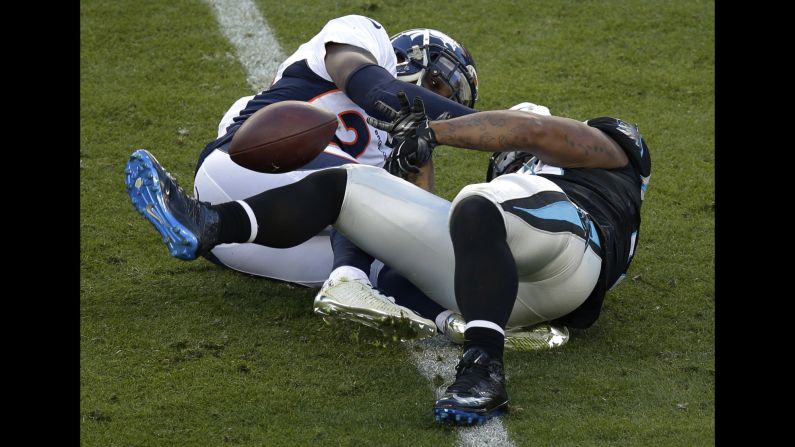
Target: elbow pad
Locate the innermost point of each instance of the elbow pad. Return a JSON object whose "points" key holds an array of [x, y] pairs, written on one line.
{"points": [[372, 83]]}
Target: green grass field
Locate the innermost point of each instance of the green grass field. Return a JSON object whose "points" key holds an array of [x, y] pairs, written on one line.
{"points": [[178, 353]]}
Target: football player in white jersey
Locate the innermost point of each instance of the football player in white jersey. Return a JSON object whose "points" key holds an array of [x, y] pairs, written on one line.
{"points": [[544, 243], [345, 68], [348, 65]]}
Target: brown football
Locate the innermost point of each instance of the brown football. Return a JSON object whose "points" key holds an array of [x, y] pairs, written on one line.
{"points": [[282, 136]]}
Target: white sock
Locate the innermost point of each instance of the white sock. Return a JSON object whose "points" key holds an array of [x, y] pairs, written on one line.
{"points": [[349, 272], [485, 324], [441, 318], [252, 220]]}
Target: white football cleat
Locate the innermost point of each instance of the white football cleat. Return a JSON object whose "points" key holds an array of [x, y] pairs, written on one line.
{"points": [[355, 300]]}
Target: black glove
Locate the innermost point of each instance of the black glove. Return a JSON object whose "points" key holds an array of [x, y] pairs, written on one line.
{"points": [[413, 140]]}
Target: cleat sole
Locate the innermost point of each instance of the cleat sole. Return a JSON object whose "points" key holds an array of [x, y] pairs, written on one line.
{"points": [[466, 418], [143, 186], [391, 327]]}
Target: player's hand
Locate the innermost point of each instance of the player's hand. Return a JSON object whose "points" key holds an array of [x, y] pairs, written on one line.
{"points": [[413, 139]]}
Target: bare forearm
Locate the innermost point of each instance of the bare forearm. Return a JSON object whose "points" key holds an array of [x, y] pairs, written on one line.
{"points": [[488, 131], [556, 140]]}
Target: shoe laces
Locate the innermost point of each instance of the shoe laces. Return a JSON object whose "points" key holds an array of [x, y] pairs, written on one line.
{"points": [[474, 368], [364, 292], [192, 206], [193, 211]]}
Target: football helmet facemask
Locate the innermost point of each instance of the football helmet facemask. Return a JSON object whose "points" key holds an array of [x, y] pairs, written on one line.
{"points": [[506, 162], [434, 60]]}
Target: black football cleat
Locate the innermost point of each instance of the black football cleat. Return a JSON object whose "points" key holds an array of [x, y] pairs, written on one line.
{"points": [[189, 228], [478, 393]]}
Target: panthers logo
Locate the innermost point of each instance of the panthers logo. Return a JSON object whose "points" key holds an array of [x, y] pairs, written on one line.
{"points": [[631, 132]]}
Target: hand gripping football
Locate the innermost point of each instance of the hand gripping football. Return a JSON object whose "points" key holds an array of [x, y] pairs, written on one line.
{"points": [[282, 137]]}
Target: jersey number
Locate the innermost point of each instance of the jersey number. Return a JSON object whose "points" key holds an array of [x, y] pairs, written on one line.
{"points": [[356, 137]]}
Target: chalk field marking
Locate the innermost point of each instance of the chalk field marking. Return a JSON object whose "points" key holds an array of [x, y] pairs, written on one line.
{"points": [[437, 357], [260, 53], [257, 47]]}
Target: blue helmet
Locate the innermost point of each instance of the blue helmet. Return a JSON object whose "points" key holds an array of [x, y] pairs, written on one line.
{"points": [[434, 60]]}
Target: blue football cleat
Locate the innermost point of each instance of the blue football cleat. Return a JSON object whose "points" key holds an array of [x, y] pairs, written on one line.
{"points": [[478, 393], [189, 228]]}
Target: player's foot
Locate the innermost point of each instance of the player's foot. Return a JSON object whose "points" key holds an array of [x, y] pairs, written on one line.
{"points": [[357, 301], [453, 329], [189, 228], [540, 336], [531, 338], [478, 393]]}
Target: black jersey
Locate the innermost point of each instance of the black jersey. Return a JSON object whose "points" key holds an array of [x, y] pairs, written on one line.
{"points": [[612, 197]]}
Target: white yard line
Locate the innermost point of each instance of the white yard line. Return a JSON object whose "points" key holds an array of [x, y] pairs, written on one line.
{"points": [[256, 46], [260, 53], [438, 357]]}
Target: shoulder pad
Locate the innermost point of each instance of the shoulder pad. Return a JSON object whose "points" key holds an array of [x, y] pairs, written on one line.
{"points": [[628, 137]]}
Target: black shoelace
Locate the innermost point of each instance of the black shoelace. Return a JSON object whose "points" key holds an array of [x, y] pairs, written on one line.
{"points": [[467, 376]]}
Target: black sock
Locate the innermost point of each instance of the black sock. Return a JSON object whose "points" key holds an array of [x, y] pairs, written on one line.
{"points": [[407, 294], [288, 215], [233, 223], [348, 254], [486, 339]]}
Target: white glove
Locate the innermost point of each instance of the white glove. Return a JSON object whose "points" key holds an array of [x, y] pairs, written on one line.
{"points": [[532, 108]]}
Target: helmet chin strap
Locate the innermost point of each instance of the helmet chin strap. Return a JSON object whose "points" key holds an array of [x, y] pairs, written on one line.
{"points": [[420, 75], [415, 78], [426, 40]]}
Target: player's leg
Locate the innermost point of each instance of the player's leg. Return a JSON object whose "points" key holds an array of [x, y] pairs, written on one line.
{"points": [[348, 294], [388, 217], [543, 250], [218, 180], [403, 226], [485, 289], [349, 260], [282, 217]]}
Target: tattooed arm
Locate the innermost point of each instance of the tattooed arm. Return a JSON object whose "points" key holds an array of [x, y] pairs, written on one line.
{"points": [[558, 141]]}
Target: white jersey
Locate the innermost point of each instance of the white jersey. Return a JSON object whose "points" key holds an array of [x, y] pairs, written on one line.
{"points": [[359, 31], [302, 77]]}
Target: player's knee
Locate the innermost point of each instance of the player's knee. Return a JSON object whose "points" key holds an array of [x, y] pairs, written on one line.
{"points": [[329, 182], [476, 217]]}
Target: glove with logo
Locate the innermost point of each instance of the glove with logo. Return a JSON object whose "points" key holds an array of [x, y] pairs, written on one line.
{"points": [[413, 140]]}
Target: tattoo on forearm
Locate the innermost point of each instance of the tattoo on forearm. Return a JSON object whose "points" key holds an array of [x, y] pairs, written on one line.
{"points": [[586, 148], [492, 132], [496, 121], [486, 139]]}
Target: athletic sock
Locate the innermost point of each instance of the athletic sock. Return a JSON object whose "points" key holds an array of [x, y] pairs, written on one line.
{"points": [[489, 339], [351, 273], [346, 253], [234, 223], [406, 294]]}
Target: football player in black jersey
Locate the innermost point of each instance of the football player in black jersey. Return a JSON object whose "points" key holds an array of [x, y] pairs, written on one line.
{"points": [[553, 184]]}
